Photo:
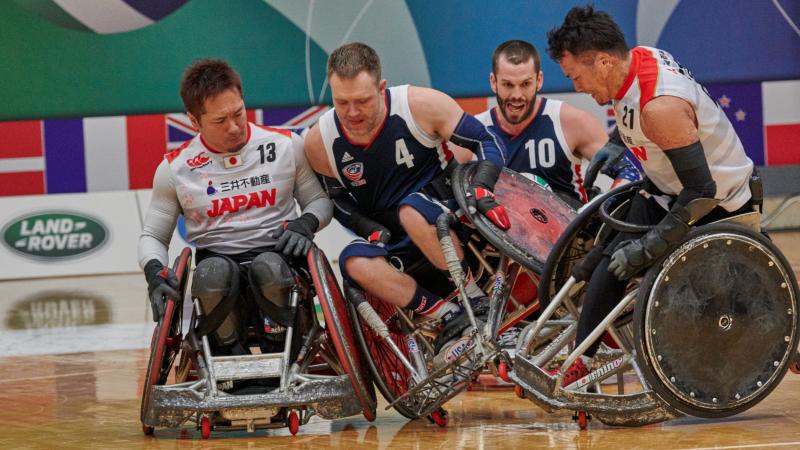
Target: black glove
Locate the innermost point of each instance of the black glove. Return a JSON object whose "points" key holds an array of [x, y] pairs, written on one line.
{"points": [[481, 197], [381, 236], [162, 283], [370, 229], [295, 237], [605, 161], [631, 257]]}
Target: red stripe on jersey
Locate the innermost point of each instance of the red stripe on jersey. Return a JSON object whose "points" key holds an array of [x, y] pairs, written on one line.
{"points": [[147, 144], [21, 183], [285, 132], [448, 155], [21, 139], [174, 154], [636, 56], [648, 78], [579, 180]]}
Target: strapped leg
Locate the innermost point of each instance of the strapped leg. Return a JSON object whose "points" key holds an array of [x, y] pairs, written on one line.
{"points": [[216, 286]]}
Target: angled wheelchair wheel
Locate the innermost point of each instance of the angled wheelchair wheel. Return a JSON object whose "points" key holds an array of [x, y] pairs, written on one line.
{"points": [[390, 375], [538, 216], [167, 335], [716, 321], [340, 331]]}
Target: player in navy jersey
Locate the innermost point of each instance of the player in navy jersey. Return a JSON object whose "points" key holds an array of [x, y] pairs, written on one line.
{"points": [[543, 137], [386, 150]]}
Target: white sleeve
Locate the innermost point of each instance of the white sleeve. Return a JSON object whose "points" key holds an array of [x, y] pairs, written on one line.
{"points": [[307, 190], [162, 215]]}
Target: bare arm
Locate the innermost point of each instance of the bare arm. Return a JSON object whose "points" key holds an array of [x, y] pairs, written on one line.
{"points": [[315, 153], [439, 115], [583, 132], [434, 111], [669, 122]]}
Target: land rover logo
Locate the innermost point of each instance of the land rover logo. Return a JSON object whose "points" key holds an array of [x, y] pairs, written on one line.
{"points": [[59, 309], [54, 235]]}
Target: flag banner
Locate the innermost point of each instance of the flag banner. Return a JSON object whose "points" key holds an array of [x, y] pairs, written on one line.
{"points": [[122, 152]]}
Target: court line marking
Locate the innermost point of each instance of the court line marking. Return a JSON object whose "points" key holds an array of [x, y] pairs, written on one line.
{"points": [[786, 16], [766, 444]]}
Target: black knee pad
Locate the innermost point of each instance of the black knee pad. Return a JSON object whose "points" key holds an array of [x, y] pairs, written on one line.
{"points": [[216, 285], [271, 282]]}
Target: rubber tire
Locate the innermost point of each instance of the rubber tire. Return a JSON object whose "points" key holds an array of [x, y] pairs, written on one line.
{"points": [[583, 420], [156, 376], [205, 427], [338, 324], [643, 357], [502, 370], [293, 422], [362, 331], [440, 417]]}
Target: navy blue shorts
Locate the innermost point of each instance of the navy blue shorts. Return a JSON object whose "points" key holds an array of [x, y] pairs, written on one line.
{"points": [[404, 254]]}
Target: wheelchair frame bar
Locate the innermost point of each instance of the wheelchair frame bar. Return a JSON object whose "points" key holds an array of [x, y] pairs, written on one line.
{"points": [[595, 334], [532, 330]]}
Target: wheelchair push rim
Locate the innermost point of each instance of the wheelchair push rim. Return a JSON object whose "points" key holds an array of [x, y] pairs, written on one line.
{"points": [[716, 321], [567, 251]]}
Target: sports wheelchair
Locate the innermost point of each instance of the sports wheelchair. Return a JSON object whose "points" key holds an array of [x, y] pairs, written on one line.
{"points": [[325, 376], [707, 331], [397, 345]]}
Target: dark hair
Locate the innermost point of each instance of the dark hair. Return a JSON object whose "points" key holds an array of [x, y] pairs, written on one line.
{"points": [[206, 78], [585, 29], [351, 59], [516, 52]]}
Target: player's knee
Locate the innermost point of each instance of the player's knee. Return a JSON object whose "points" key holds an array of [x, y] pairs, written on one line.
{"points": [[215, 280], [213, 277], [272, 277], [356, 267], [411, 219]]}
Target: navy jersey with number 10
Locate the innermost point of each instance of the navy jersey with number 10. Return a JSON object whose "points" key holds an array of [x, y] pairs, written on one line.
{"points": [[541, 149]]}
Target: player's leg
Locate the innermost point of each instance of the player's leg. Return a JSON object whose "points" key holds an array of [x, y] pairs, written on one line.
{"points": [[368, 266], [418, 213], [216, 284]]}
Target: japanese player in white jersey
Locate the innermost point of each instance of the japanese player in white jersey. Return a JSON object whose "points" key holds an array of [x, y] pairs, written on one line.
{"points": [[544, 137], [237, 185], [696, 168], [386, 150]]}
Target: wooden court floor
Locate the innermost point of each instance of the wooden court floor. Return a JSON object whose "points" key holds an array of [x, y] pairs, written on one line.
{"points": [[72, 360]]}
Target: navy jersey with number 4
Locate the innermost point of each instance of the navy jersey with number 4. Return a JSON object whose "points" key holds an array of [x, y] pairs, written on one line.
{"points": [[541, 149], [401, 159]]}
